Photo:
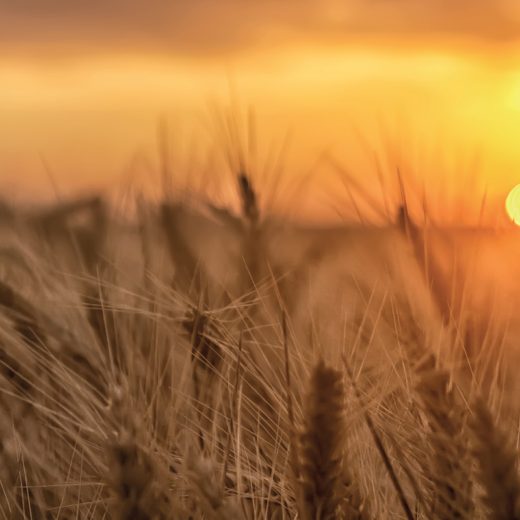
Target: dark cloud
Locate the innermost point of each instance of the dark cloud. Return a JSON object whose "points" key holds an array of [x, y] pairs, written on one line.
{"points": [[209, 27], [196, 26]]}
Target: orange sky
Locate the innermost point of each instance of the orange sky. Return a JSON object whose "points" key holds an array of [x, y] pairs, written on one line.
{"points": [[433, 89]]}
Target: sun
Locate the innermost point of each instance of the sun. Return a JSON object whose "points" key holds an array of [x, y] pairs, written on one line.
{"points": [[513, 204]]}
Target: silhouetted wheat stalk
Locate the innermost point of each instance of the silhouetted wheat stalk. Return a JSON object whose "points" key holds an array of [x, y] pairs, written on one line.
{"points": [[498, 465], [327, 488]]}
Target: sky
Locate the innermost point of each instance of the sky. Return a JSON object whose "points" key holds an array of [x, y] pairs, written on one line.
{"points": [[338, 93]]}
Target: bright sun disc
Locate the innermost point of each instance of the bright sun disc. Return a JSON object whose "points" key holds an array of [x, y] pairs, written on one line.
{"points": [[513, 204]]}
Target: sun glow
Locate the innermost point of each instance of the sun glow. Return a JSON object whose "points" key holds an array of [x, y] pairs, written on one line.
{"points": [[513, 205], [91, 115]]}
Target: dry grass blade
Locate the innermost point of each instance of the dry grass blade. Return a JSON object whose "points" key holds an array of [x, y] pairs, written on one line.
{"points": [[498, 461], [292, 433], [100, 316]]}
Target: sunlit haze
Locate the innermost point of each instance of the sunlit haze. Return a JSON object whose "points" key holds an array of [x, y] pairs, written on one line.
{"points": [[433, 91]]}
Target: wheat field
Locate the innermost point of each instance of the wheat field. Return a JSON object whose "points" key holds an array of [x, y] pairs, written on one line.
{"points": [[200, 362]]}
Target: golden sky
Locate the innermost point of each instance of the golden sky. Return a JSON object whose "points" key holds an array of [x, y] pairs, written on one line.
{"points": [[430, 87]]}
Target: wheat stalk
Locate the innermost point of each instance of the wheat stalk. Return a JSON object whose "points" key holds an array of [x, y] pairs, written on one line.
{"points": [[321, 444], [498, 463]]}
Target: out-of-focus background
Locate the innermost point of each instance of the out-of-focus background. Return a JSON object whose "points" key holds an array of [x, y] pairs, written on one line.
{"points": [[431, 88]]}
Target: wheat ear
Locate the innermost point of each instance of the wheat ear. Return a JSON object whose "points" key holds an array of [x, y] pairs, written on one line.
{"points": [[498, 461], [320, 453]]}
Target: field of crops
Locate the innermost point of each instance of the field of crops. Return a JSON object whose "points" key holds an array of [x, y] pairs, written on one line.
{"points": [[199, 362]]}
